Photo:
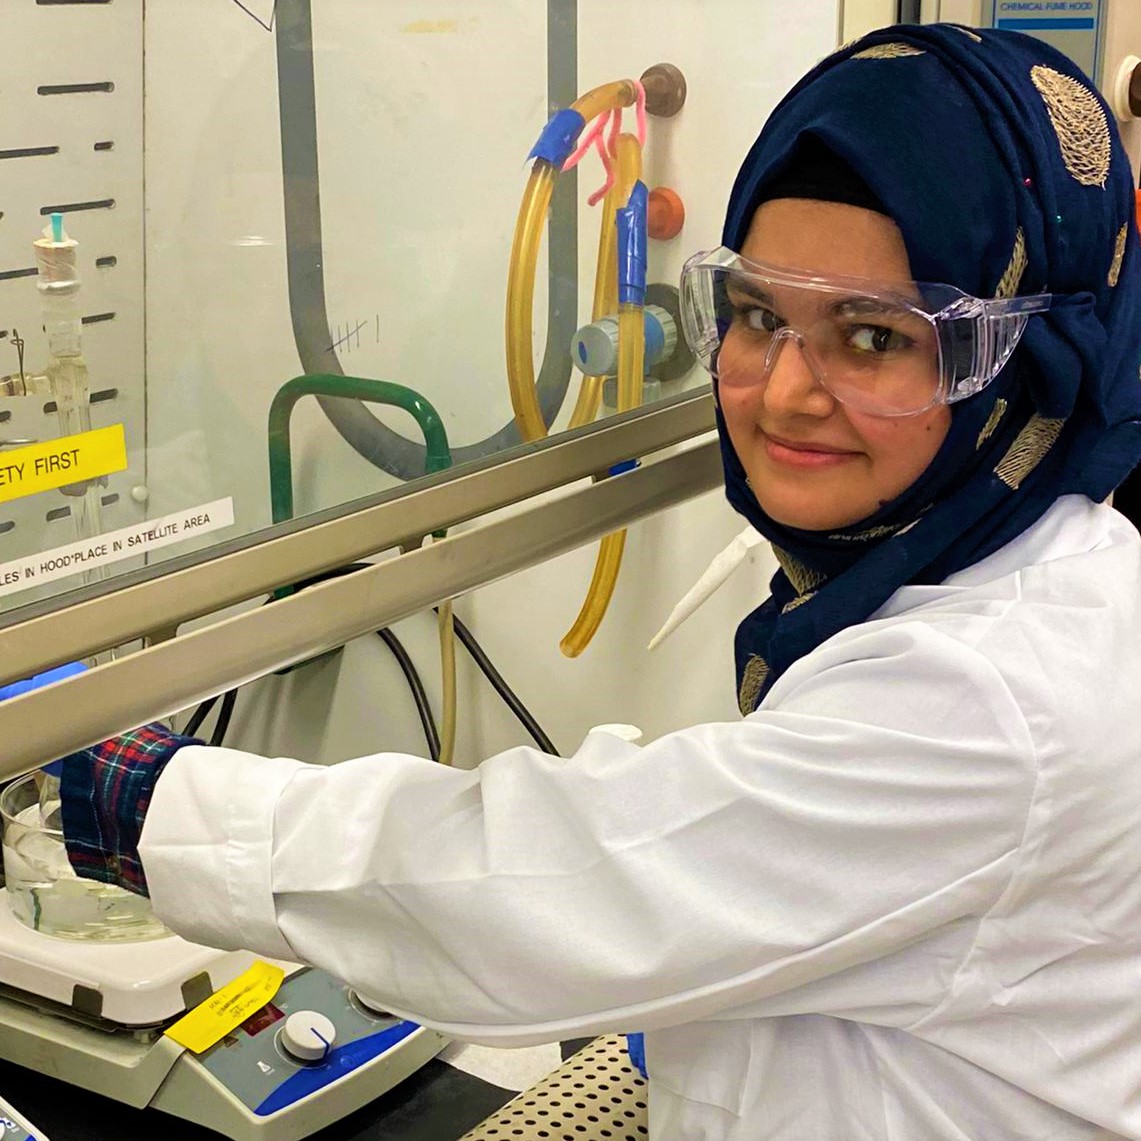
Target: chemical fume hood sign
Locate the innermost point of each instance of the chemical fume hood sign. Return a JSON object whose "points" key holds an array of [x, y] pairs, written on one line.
{"points": [[1075, 27]]}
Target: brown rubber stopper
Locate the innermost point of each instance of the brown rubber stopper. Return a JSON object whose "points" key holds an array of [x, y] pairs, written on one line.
{"points": [[665, 89]]}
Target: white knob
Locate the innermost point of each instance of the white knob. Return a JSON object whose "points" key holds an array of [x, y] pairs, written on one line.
{"points": [[595, 349], [308, 1035], [140, 493]]}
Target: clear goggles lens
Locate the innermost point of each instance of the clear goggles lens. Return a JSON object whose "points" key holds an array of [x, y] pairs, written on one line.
{"points": [[889, 350]]}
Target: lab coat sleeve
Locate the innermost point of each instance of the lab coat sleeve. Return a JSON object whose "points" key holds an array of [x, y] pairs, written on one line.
{"points": [[880, 801]]}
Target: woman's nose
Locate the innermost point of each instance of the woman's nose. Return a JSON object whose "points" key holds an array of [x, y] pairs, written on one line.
{"points": [[792, 385]]}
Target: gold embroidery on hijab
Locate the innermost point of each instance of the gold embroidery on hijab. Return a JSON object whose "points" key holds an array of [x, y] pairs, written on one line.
{"points": [[967, 32], [996, 415], [799, 600], [752, 681], [1012, 278], [889, 51], [1079, 122], [1028, 449], [871, 533], [803, 578], [1118, 255]]}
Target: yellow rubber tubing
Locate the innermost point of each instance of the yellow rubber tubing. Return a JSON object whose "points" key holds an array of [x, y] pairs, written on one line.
{"points": [[605, 301], [525, 257], [520, 298], [447, 627], [631, 374], [608, 97], [631, 356], [629, 170], [606, 568]]}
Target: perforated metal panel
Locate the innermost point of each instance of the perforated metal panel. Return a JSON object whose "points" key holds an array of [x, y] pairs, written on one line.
{"points": [[71, 139], [595, 1095]]}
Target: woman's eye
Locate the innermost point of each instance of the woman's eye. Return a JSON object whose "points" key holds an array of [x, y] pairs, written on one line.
{"points": [[877, 339], [760, 319]]}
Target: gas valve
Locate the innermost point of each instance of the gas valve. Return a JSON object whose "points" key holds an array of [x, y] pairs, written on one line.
{"points": [[595, 346]]}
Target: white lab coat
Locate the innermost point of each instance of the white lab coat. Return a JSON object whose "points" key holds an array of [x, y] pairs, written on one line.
{"points": [[900, 902]]}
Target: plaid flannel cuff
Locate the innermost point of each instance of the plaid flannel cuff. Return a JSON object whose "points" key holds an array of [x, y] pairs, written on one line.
{"points": [[105, 792]]}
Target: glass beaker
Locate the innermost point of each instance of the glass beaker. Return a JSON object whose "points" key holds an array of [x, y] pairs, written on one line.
{"points": [[44, 892]]}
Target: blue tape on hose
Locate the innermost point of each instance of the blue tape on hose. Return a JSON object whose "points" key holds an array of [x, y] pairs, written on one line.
{"points": [[633, 238], [557, 142], [625, 466]]}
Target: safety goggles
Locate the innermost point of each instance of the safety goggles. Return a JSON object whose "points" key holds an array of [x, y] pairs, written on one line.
{"points": [[884, 349]]}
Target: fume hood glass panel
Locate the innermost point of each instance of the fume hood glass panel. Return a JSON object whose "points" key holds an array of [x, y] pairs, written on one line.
{"points": [[261, 191]]}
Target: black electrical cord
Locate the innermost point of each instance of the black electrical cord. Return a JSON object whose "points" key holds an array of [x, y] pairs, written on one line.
{"points": [[415, 684], [423, 707], [200, 715], [222, 725], [510, 698], [479, 656], [403, 659]]}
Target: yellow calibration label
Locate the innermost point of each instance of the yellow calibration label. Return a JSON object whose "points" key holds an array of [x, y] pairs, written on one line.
{"points": [[56, 463], [228, 1008]]}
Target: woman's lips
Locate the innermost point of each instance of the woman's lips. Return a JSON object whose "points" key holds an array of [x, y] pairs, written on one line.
{"points": [[804, 454]]}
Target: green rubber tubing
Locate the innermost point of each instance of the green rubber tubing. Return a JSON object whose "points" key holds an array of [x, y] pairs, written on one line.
{"points": [[439, 454]]}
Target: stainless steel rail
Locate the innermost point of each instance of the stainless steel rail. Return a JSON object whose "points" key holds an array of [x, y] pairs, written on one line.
{"points": [[152, 682], [399, 518]]}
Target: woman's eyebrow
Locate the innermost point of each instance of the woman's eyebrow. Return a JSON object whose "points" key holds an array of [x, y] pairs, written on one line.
{"points": [[869, 307], [744, 288]]}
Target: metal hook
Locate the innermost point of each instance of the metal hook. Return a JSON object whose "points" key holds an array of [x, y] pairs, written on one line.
{"points": [[18, 341]]}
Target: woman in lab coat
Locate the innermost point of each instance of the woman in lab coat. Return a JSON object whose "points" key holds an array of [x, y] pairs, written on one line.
{"points": [[900, 899]]}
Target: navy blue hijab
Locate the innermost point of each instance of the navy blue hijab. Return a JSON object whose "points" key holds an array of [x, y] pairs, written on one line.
{"points": [[1001, 166]]}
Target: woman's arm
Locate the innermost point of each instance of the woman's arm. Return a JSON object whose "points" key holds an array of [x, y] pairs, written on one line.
{"points": [[880, 799]]}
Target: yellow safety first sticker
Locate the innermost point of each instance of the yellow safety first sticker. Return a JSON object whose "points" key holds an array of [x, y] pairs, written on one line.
{"points": [[225, 1010], [70, 459]]}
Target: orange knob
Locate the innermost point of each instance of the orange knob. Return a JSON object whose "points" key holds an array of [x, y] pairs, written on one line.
{"points": [[667, 214], [1138, 207]]}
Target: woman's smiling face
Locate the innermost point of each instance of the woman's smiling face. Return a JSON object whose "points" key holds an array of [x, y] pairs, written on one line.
{"points": [[812, 462]]}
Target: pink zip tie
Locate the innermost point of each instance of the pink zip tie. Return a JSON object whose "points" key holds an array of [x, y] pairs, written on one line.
{"points": [[615, 131], [608, 149], [607, 162], [608, 153], [587, 140]]}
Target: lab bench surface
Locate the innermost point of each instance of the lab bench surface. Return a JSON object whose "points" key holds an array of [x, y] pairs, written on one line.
{"points": [[437, 1103]]}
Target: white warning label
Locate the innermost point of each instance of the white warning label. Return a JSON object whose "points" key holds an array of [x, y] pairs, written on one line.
{"points": [[114, 546]]}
